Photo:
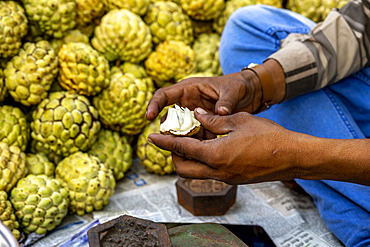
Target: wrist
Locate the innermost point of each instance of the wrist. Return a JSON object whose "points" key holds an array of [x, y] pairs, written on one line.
{"points": [[253, 84]]}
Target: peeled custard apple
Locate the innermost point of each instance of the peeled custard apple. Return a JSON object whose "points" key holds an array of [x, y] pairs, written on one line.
{"points": [[230, 6], [114, 150], [14, 128], [180, 121], [82, 69], [13, 27], [203, 10], [206, 50], [40, 203], [39, 164], [152, 158], [53, 18], [12, 166], [122, 35], [171, 61], [7, 216], [122, 106], [64, 123], [90, 183], [139, 7], [29, 74], [167, 21]]}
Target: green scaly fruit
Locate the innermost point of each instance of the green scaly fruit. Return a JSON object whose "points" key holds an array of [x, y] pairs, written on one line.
{"points": [[39, 164], [73, 36], [171, 61], [198, 74], [152, 158], [122, 35], [89, 11], [64, 123], [90, 183], [174, 1], [82, 69], [123, 104], [200, 27], [7, 216], [114, 151], [13, 26], [316, 10], [53, 18], [3, 90], [230, 6], [275, 3], [138, 7], [40, 203], [29, 75], [167, 21], [203, 10], [14, 128], [206, 50], [12, 166]]}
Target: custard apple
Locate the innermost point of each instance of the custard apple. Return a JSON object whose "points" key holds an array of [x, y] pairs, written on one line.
{"points": [[90, 183], [40, 203], [203, 10], [114, 151], [83, 70], [152, 158], [14, 128], [12, 166], [29, 75], [275, 3], [64, 123], [13, 26], [230, 6], [316, 10], [167, 21], [171, 61], [198, 74], [39, 164], [122, 106], [3, 90], [138, 7], [206, 48], [73, 36], [7, 216], [122, 35], [89, 11], [200, 27], [53, 18]]}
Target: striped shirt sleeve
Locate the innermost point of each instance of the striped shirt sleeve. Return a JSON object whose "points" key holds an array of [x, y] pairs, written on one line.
{"points": [[334, 49]]}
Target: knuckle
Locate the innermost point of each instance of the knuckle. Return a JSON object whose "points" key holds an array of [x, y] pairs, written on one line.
{"points": [[179, 148]]}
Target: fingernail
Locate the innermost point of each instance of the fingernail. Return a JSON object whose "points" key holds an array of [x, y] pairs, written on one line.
{"points": [[224, 109], [201, 111], [150, 140]]}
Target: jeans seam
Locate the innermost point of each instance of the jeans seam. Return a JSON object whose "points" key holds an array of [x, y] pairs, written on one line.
{"points": [[362, 77], [271, 30], [341, 113]]}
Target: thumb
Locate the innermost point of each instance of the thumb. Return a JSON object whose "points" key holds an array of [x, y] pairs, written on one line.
{"points": [[226, 104], [218, 125]]}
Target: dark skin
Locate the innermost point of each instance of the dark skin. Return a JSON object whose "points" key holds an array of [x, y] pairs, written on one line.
{"points": [[255, 149]]}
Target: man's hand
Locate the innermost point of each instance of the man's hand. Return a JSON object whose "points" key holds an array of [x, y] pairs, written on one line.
{"points": [[221, 95], [254, 150]]}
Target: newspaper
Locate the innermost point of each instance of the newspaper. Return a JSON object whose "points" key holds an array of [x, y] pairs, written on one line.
{"points": [[288, 217]]}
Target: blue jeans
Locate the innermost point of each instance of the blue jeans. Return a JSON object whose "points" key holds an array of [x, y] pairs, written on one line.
{"points": [[340, 111]]}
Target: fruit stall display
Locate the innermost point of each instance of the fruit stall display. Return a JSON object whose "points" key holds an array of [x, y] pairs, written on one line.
{"points": [[75, 79]]}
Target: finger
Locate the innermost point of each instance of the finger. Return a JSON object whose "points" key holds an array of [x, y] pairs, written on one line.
{"points": [[190, 168], [161, 98], [184, 146], [216, 124], [227, 101]]}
